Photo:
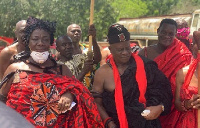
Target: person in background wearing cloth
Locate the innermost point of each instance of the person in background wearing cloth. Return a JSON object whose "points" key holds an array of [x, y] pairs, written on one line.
{"points": [[183, 32], [187, 98], [129, 86], [65, 47], [6, 55], [171, 55], [74, 32], [106, 52], [42, 91]]}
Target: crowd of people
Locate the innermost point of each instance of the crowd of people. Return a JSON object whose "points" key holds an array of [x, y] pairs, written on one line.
{"points": [[122, 86]]}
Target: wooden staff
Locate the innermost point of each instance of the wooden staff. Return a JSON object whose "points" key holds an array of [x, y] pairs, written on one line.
{"points": [[196, 36], [91, 22], [198, 71]]}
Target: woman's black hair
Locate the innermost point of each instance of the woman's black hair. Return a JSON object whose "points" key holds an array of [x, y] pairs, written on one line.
{"points": [[31, 25]]}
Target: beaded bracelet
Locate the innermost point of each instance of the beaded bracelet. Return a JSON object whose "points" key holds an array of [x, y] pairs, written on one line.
{"points": [[183, 106]]}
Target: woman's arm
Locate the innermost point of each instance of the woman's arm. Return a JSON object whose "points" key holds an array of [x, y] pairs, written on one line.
{"points": [[6, 86]]}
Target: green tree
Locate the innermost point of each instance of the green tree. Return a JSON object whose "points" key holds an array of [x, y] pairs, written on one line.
{"points": [[160, 7], [129, 8], [180, 7], [64, 12]]}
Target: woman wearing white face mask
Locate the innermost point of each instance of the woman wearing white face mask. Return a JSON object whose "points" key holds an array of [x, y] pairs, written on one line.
{"points": [[45, 93]]}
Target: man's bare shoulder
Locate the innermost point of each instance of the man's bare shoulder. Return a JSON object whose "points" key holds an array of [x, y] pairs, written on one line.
{"points": [[9, 50], [18, 65], [103, 70], [182, 72], [151, 47], [145, 49], [14, 67], [185, 69]]}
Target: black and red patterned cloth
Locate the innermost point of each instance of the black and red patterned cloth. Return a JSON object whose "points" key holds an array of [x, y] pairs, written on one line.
{"points": [[35, 96], [156, 91]]}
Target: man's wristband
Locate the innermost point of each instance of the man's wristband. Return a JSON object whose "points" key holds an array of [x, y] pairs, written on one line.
{"points": [[107, 121]]}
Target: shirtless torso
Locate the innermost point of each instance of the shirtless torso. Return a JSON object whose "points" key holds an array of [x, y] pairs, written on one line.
{"points": [[6, 56]]}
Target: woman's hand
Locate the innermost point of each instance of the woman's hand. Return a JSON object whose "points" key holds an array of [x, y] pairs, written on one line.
{"points": [[65, 101], [155, 112]]}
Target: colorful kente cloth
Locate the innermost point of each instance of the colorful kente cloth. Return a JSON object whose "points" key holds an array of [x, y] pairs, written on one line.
{"points": [[76, 64], [188, 119], [175, 57], [158, 91], [35, 96]]}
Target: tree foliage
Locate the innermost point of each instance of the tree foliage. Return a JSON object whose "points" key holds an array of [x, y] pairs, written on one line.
{"points": [[180, 7], [160, 7], [129, 8], [64, 12]]}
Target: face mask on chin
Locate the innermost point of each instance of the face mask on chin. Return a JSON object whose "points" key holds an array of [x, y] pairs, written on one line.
{"points": [[39, 57], [183, 33]]}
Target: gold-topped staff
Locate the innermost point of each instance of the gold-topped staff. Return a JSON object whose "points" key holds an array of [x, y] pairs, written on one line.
{"points": [[91, 22]]}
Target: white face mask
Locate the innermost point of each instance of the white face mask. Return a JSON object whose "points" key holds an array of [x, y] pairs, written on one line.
{"points": [[39, 57]]}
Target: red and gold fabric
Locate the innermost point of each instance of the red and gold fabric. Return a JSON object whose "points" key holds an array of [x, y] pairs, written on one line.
{"points": [[35, 96]]}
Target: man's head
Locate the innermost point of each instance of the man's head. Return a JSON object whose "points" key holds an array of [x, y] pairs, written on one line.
{"points": [[182, 29], [118, 38], [64, 46], [166, 32], [19, 31], [74, 32]]}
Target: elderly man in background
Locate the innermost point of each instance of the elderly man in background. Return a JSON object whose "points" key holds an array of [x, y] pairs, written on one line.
{"points": [[6, 55]]}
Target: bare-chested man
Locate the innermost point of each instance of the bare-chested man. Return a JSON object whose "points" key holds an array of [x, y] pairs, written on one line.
{"points": [[6, 55]]}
